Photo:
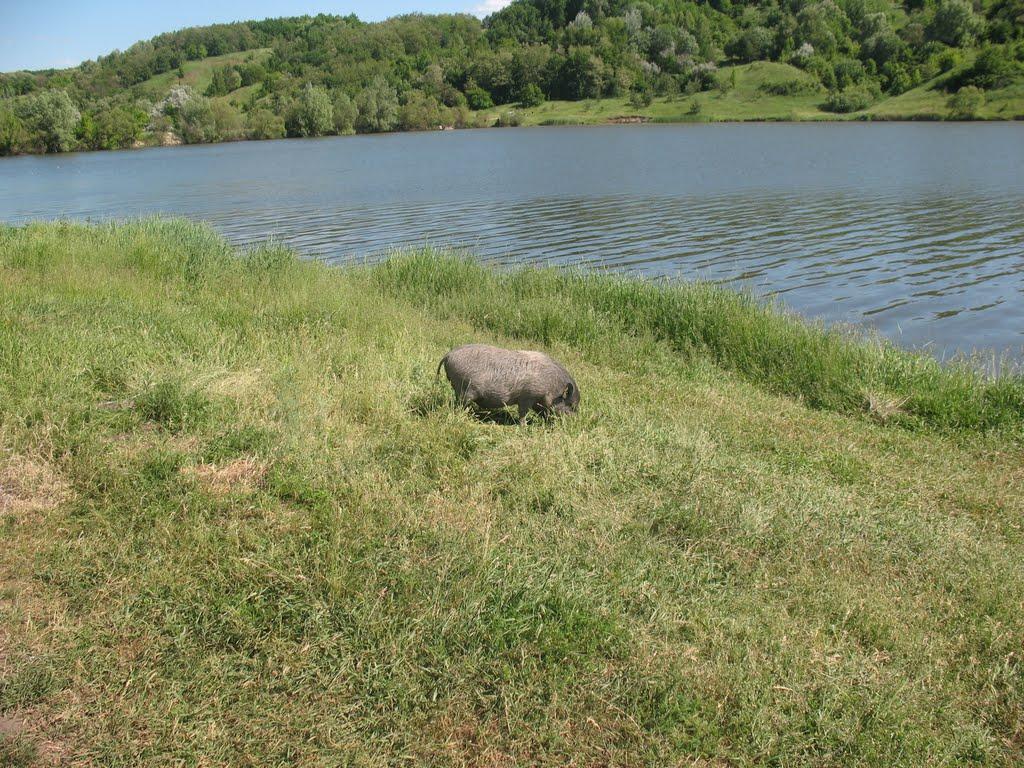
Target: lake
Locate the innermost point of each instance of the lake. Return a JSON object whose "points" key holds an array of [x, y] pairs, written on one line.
{"points": [[915, 230]]}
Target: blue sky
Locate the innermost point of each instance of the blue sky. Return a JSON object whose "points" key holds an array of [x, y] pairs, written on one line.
{"points": [[37, 34]]}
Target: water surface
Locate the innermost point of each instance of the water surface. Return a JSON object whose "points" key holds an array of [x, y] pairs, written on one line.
{"points": [[916, 230]]}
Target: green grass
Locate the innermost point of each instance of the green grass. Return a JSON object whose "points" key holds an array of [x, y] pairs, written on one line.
{"points": [[929, 102], [198, 74], [749, 101], [242, 523]]}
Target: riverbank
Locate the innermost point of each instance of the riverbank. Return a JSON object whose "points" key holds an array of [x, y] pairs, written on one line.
{"points": [[242, 522], [757, 92], [764, 92]]}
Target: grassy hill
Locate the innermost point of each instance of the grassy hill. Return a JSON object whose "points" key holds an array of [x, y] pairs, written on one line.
{"points": [[929, 101], [747, 96], [242, 524], [199, 74]]}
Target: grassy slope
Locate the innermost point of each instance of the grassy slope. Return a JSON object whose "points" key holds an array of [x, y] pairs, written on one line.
{"points": [[747, 102], [242, 525], [929, 101], [198, 74], [744, 102]]}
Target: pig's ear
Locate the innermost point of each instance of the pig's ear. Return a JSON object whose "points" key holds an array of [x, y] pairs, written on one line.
{"points": [[567, 395]]}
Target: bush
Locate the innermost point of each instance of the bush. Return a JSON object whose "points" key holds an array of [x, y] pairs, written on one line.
{"points": [[422, 113], [789, 87], [995, 67], [752, 44], [52, 118], [641, 96], [951, 58], [848, 72], [225, 80], [954, 23], [251, 73], [378, 107], [227, 122], [510, 119], [531, 96], [312, 114], [965, 103], [345, 114], [478, 98], [112, 128], [264, 124], [196, 122], [852, 99], [13, 133]]}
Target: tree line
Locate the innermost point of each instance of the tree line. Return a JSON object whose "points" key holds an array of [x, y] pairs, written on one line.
{"points": [[337, 74]]}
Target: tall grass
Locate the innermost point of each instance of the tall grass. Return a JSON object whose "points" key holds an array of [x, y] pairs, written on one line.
{"points": [[833, 369], [242, 524]]}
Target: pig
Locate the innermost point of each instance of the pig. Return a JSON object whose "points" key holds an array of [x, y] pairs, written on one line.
{"points": [[492, 378]]}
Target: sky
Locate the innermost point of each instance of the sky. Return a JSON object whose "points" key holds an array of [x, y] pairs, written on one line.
{"points": [[39, 34]]}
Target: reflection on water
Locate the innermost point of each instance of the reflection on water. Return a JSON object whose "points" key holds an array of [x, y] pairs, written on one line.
{"points": [[917, 231]]}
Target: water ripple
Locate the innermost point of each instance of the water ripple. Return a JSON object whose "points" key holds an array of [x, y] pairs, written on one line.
{"points": [[823, 219]]}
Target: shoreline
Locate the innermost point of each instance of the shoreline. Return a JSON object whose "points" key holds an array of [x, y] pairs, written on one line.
{"points": [[612, 123]]}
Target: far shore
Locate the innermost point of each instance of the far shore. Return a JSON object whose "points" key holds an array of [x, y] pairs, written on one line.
{"points": [[534, 119]]}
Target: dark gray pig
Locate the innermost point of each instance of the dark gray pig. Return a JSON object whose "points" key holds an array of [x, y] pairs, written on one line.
{"points": [[492, 378]]}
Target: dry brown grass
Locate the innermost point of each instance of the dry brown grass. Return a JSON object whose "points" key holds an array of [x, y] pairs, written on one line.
{"points": [[241, 475], [29, 485]]}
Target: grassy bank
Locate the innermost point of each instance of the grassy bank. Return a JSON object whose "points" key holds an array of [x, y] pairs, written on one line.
{"points": [[242, 524], [753, 96]]}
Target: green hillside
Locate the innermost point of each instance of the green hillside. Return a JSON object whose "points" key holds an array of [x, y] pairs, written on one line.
{"points": [[540, 61], [199, 74]]}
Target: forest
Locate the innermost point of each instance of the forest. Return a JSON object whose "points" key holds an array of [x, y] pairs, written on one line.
{"points": [[324, 75]]}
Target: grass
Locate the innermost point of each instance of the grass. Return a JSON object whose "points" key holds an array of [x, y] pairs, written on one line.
{"points": [[750, 100], [242, 524], [199, 74]]}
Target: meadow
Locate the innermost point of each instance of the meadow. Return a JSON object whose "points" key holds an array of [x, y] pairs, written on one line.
{"points": [[754, 92], [242, 523]]}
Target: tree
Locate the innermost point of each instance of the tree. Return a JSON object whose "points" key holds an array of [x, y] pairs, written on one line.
{"points": [[227, 122], [113, 127], [825, 26], [422, 113], [53, 118], [531, 96], [852, 99], [312, 114], [225, 80], [752, 44], [477, 98], [965, 103], [378, 107], [13, 134], [642, 95], [848, 72], [345, 114], [995, 67], [582, 75], [196, 122], [264, 124], [954, 23]]}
